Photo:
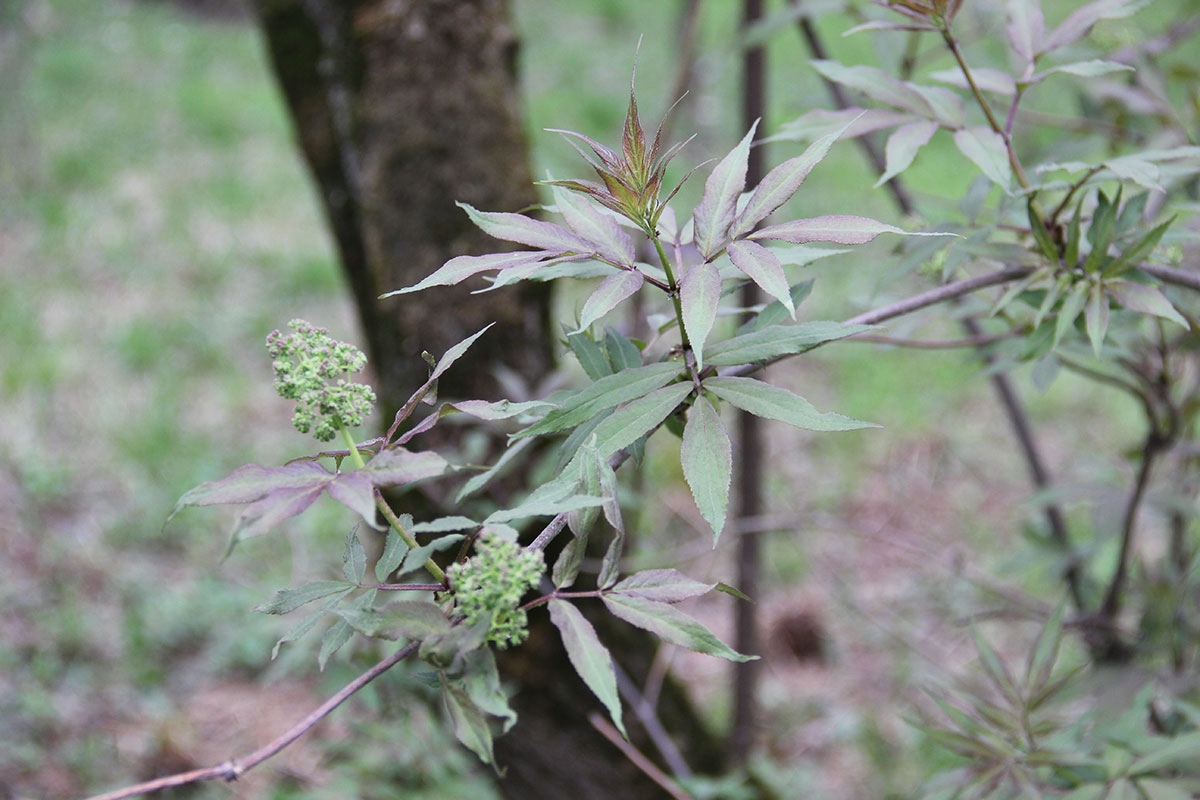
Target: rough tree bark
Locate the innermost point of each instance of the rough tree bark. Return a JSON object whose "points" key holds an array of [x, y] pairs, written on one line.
{"points": [[401, 109]]}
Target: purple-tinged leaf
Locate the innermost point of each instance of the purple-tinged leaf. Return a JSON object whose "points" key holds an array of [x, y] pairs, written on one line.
{"points": [[817, 123], [603, 394], [986, 78], [948, 107], [770, 341], [588, 656], [698, 297], [663, 585], [764, 269], [707, 460], [526, 272], [771, 402], [884, 25], [876, 84], [1143, 298], [253, 482], [1087, 69], [670, 624], [902, 147], [525, 230], [408, 619], [608, 158], [355, 491], [778, 186], [987, 150], [718, 204], [397, 466], [1026, 29], [460, 268], [609, 294], [598, 228], [500, 409], [1076, 26], [449, 357], [838, 228], [263, 515], [1136, 170]]}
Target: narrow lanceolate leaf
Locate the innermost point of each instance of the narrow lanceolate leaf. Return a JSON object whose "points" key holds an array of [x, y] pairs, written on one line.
{"points": [[987, 79], [1072, 304], [764, 400], [449, 357], [588, 656], [777, 340], [838, 228], [1147, 299], [394, 550], [470, 725], [609, 294], [670, 624], [253, 482], [1077, 25], [605, 393], [596, 227], [288, 600], [1134, 255], [354, 560], [699, 296], [459, 269], [1045, 650], [987, 150], [902, 147], [1026, 28], [707, 460], [397, 466], [778, 186], [1096, 317], [633, 421], [543, 508], [1088, 69], [715, 212], [876, 84], [663, 585], [481, 679], [400, 619], [525, 230], [764, 269]]}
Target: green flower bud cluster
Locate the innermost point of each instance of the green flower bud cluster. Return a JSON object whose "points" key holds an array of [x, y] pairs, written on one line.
{"points": [[492, 583], [311, 368]]}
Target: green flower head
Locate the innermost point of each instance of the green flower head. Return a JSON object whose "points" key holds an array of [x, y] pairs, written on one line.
{"points": [[492, 583], [312, 368]]}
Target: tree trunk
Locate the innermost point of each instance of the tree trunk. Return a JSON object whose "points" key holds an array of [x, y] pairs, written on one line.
{"points": [[401, 109]]}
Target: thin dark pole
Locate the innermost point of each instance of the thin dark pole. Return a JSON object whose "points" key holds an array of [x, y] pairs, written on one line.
{"points": [[750, 447]]}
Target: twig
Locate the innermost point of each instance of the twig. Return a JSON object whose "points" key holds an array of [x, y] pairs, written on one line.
{"points": [[939, 295], [232, 769], [1112, 598], [1177, 277], [637, 759], [644, 710], [935, 344]]}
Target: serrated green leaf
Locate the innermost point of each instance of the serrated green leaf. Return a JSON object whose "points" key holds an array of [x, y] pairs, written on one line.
{"points": [[635, 419], [775, 312], [778, 340], [1045, 649], [288, 600], [610, 565], [663, 585], [699, 296], [408, 619], [305, 625], [1100, 234], [333, 640], [590, 355], [1134, 255], [482, 683], [444, 525], [718, 203], [671, 625], [622, 352], [537, 507], [394, 549], [580, 521], [415, 558], [1071, 250], [354, 559], [1096, 317], [993, 667], [588, 656], [470, 725], [605, 393], [1040, 234], [1069, 312], [566, 566], [1182, 750], [487, 476], [706, 456], [764, 400]]}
